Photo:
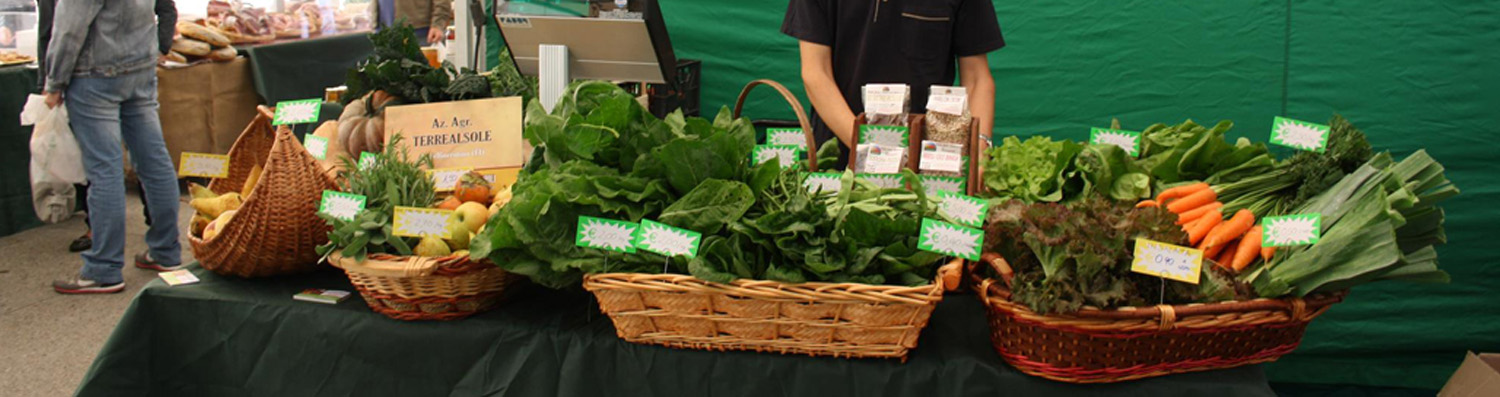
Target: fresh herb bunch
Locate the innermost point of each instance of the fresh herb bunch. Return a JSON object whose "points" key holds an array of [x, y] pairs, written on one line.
{"points": [[398, 67], [1292, 182], [1067, 256], [391, 180]]}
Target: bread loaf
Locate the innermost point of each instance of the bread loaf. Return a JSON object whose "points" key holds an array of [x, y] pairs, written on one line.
{"points": [[202, 33], [223, 54], [175, 57], [191, 47]]}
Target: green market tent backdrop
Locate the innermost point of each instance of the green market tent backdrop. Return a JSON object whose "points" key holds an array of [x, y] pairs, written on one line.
{"points": [[1411, 74]]}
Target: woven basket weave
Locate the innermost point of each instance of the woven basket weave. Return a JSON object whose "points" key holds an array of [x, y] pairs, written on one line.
{"points": [[820, 319], [419, 288], [277, 229], [1101, 346]]}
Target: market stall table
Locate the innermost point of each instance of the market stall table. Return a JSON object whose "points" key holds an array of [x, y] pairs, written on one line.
{"points": [[229, 337], [302, 69], [16, 213]]}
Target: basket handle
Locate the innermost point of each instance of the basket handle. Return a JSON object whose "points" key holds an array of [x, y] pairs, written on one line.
{"points": [[812, 142], [950, 275], [266, 111]]}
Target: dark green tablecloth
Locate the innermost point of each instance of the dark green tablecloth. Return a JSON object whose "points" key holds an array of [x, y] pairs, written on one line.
{"points": [[302, 69], [16, 213], [235, 337]]}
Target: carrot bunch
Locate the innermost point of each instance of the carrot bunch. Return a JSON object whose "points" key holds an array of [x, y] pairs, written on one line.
{"points": [[1232, 244]]}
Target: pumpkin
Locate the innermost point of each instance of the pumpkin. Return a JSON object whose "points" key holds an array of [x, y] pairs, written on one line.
{"points": [[362, 125]]}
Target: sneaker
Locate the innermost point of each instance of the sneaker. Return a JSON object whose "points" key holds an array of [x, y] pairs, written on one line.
{"points": [[82, 243], [80, 285], [143, 260]]}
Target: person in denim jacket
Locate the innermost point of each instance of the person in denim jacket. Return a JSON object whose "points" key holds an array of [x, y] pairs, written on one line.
{"points": [[101, 61]]}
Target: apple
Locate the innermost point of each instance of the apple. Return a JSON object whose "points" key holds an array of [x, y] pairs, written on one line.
{"points": [[472, 214], [495, 209], [458, 236]]}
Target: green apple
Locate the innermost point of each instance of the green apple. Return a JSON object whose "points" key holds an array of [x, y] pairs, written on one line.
{"points": [[458, 236], [472, 215], [432, 247]]}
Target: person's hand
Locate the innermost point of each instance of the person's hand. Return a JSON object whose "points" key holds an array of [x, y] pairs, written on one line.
{"points": [[54, 98], [437, 34]]}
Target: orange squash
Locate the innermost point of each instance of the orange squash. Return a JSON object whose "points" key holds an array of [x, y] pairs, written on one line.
{"points": [[362, 124]]}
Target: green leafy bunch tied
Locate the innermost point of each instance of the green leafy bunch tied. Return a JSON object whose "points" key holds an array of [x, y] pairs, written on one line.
{"points": [[392, 179], [1067, 256], [398, 67]]}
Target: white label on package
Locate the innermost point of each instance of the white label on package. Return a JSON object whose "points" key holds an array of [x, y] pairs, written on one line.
{"points": [[880, 159], [939, 156], [950, 100], [886, 98]]}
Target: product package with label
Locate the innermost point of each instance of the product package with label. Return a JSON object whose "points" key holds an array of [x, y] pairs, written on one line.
{"points": [[945, 141], [884, 137]]}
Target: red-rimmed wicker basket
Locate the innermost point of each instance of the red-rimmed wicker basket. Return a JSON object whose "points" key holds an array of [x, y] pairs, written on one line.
{"points": [[277, 230], [1101, 346], [820, 319], [420, 288]]}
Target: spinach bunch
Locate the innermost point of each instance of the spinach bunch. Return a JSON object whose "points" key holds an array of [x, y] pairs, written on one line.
{"points": [[600, 154]]}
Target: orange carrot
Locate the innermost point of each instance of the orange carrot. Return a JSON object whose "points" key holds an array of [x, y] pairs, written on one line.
{"points": [[1229, 230], [1196, 199], [1226, 255], [1146, 204], [1200, 229], [1179, 192], [1249, 246], [1193, 215], [1266, 253]]}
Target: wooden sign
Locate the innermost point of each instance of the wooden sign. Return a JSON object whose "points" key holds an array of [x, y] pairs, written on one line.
{"points": [[476, 134]]}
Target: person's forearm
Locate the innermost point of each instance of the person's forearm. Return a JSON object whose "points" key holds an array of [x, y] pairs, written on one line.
{"points": [[826, 99], [166, 25], [982, 104]]}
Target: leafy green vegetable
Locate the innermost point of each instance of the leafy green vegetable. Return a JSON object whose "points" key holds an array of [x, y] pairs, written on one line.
{"points": [[398, 67], [1380, 222], [1292, 182], [505, 80], [1066, 256], [1030, 171], [600, 154]]}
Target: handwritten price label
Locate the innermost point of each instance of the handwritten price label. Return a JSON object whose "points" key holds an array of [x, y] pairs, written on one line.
{"points": [[316, 145], [1299, 134], [949, 239], [606, 234], [786, 136], [203, 165], [1167, 261], [421, 222], [446, 179], [826, 182], [667, 240], [967, 210], [366, 159], [301, 111], [341, 205], [1289, 230], [1128, 140]]}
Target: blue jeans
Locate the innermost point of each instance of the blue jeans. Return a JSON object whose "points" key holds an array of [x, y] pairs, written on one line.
{"points": [[104, 111]]}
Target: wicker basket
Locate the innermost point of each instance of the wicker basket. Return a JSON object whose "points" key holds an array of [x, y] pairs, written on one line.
{"points": [[419, 288], [1100, 346], [277, 229], [823, 319], [820, 319]]}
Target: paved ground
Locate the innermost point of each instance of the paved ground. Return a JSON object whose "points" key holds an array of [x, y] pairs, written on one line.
{"points": [[48, 340]]}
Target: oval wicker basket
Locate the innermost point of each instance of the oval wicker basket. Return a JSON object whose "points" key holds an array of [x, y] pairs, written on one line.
{"points": [[821, 319], [419, 288], [1101, 346], [277, 229]]}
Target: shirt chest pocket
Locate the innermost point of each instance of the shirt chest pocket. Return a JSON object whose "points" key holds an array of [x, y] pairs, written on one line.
{"points": [[926, 32]]}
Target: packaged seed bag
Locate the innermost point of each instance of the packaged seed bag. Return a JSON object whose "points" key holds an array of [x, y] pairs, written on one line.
{"points": [[945, 150], [884, 137]]}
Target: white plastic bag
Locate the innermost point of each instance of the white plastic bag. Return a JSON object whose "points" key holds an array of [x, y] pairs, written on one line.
{"points": [[56, 162]]}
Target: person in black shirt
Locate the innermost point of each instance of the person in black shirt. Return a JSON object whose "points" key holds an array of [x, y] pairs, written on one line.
{"points": [[846, 44]]}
